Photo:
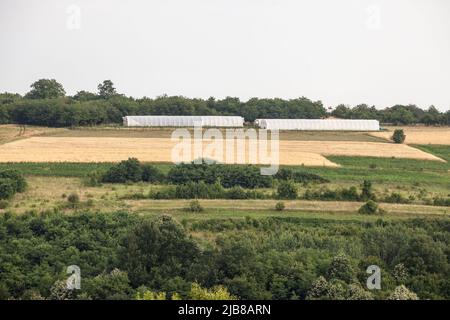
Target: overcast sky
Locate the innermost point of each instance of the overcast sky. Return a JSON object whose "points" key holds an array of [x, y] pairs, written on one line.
{"points": [[338, 51]]}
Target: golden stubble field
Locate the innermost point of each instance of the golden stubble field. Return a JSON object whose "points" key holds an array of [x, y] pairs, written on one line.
{"points": [[419, 134], [112, 149]]}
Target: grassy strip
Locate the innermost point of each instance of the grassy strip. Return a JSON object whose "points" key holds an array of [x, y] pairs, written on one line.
{"points": [[353, 169]]}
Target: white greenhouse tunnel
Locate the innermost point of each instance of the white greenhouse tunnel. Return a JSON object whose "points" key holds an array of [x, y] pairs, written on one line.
{"points": [[183, 121]]}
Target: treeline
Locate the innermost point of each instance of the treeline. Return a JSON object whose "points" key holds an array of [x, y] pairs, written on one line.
{"points": [[227, 176], [124, 256], [46, 104]]}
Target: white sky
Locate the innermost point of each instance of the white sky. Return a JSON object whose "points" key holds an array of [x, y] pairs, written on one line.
{"points": [[379, 52]]}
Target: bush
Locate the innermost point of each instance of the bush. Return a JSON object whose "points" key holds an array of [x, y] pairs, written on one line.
{"points": [[367, 192], [195, 206], [399, 136], [126, 171], [287, 190], [7, 188], [437, 201], [280, 206], [237, 193], [93, 179], [4, 204], [20, 183], [73, 199], [395, 197], [298, 176], [370, 207], [246, 176], [151, 174]]}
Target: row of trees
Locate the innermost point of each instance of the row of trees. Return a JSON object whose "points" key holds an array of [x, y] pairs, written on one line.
{"points": [[47, 104], [227, 176], [124, 256]]}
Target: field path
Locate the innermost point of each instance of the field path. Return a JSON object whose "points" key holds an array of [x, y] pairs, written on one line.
{"points": [[108, 149]]}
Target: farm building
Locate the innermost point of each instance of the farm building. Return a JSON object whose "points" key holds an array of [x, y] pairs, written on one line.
{"points": [[319, 124], [183, 121]]}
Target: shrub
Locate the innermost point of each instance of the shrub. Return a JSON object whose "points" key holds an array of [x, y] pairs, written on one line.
{"points": [[298, 176], [7, 188], [151, 174], [126, 171], [367, 192], [280, 206], [341, 268], [195, 206], [93, 179], [395, 197], [20, 183], [246, 176], [402, 293], [236, 193], [4, 204], [437, 201], [287, 190], [73, 199], [399, 136], [370, 207]]}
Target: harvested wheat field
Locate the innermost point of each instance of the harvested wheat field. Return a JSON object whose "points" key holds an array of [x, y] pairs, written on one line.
{"points": [[419, 134], [309, 153]]}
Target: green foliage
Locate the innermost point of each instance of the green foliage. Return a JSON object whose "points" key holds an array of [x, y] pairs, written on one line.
{"points": [[16, 177], [195, 206], [45, 105], [93, 179], [287, 190], [215, 293], [126, 171], [11, 182], [150, 295], [299, 176], [106, 89], [7, 188], [196, 293], [4, 204], [366, 191], [46, 89], [279, 206], [201, 190], [399, 136], [73, 199], [370, 207], [268, 258], [341, 268], [402, 293], [246, 176], [157, 250], [108, 286], [152, 174]]}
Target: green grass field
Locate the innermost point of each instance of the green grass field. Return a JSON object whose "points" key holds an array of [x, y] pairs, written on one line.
{"points": [[353, 169]]}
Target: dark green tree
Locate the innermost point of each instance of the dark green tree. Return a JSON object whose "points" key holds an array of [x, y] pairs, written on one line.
{"points": [[46, 89], [399, 136], [106, 89]]}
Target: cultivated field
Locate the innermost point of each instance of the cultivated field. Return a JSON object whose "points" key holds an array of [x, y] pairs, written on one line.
{"points": [[419, 134], [108, 149]]}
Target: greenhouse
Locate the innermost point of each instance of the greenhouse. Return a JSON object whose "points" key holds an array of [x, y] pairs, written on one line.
{"points": [[319, 124], [183, 121]]}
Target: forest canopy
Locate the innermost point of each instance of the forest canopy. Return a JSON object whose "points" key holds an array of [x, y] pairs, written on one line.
{"points": [[46, 104]]}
